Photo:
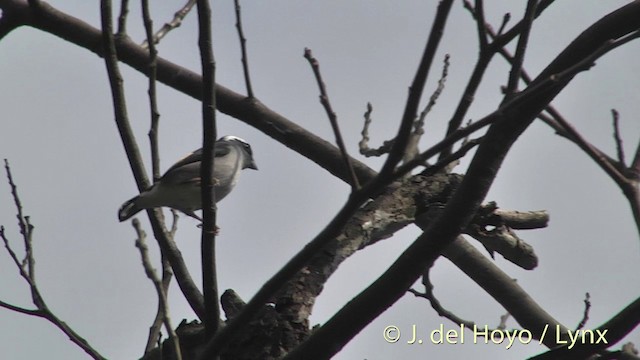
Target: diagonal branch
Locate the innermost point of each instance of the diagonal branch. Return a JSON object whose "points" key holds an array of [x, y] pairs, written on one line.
{"points": [[178, 17], [415, 90], [250, 111], [333, 119], [521, 47]]}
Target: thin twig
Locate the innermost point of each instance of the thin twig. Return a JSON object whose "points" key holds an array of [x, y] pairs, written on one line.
{"points": [[441, 311], [585, 315], [458, 154], [435, 303], [178, 17], [18, 309], [481, 25], [521, 47], [243, 47], [158, 285], [418, 126], [635, 165], [22, 223], [503, 321], [26, 269], [617, 137], [448, 141], [122, 19], [483, 62], [333, 119], [208, 239], [363, 145], [615, 170], [505, 21], [153, 102], [416, 88]]}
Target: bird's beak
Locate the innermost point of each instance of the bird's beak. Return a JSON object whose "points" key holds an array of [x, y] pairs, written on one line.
{"points": [[253, 165]]}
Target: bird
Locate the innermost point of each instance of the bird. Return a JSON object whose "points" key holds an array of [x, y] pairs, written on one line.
{"points": [[179, 187]]}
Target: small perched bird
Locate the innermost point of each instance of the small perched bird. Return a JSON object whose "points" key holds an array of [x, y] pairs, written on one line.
{"points": [[179, 187]]}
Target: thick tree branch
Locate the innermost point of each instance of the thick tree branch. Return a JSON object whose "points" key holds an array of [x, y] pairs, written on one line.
{"points": [[250, 111]]}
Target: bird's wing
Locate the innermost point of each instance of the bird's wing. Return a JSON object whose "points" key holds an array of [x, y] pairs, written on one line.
{"points": [[187, 169]]}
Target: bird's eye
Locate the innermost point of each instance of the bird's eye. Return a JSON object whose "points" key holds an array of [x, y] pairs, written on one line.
{"points": [[248, 148]]}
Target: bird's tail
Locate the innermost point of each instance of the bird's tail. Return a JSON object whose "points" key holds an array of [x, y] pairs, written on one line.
{"points": [[128, 209]]}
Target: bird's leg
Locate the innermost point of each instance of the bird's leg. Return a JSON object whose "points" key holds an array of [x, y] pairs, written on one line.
{"points": [[193, 215]]}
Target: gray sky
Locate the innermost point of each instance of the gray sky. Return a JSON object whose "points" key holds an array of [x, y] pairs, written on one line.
{"points": [[59, 135]]}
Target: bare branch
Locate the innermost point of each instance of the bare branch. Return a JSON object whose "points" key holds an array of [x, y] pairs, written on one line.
{"points": [[585, 315], [333, 119], [448, 141], [635, 165], [415, 90], [243, 47], [153, 102], [13, 307], [480, 22], [442, 312], [458, 154], [517, 114], [26, 269], [503, 321], [435, 303], [159, 286], [208, 240], [189, 289], [523, 40], [615, 329], [178, 17], [122, 18], [617, 137], [364, 142], [505, 21], [418, 125], [468, 95], [482, 63]]}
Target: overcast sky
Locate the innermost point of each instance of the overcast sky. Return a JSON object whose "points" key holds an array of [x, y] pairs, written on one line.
{"points": [[58, 133]]}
